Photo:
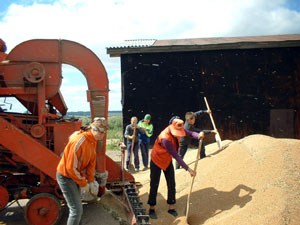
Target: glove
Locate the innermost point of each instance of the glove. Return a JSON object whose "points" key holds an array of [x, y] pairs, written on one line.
{"points": [[94, 187], [86, 188]]}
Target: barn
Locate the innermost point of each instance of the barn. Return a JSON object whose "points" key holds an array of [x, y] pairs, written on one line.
{"points": [[252, 84]]}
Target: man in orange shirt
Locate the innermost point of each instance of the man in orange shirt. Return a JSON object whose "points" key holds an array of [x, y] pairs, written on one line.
{"points": [[165, 147], [76, 169]]}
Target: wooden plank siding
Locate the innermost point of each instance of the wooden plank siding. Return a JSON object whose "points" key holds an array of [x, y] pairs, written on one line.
{"points": [[242, 87]]}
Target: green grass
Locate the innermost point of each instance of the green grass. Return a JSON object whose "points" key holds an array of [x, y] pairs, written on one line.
{"points": [[115, 128], [114, 133]]}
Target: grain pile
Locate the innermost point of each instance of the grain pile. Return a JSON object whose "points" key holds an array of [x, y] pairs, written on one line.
{"points": [[255, 180]]}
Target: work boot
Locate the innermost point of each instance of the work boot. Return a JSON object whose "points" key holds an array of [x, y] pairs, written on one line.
{"points": [[173, 212], [152, 214]]}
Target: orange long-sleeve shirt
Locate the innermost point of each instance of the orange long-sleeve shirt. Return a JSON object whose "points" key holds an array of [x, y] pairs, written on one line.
{"points": [[79, 158]]}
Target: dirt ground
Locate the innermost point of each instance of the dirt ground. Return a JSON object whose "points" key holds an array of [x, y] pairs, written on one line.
{"points": [[255, 180]]}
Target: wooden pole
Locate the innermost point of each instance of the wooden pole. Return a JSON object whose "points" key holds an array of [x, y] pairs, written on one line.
{"points": [[132, 146], [193, 179], [217, 135]]}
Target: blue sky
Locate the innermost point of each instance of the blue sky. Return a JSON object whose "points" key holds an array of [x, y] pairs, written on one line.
{"points": [[100, 24]]}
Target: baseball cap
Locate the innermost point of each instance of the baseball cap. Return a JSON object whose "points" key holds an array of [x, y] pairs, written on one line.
{"points": [[147, 117]]}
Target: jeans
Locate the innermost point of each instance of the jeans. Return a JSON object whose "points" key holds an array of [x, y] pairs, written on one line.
{"points": [[135, 153], [71, 192], [145, 152], [155, 172]]}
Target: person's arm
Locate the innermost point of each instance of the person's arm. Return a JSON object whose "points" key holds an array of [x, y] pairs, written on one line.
{"points": [[170, 148], [149, 130], [72, 160], [90, 169], [141, 130], [200, 112], [199, 135], [127, 133], [195, 129], [207, 131], [192, 134]]}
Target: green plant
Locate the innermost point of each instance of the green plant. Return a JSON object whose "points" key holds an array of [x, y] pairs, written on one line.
{"points": [[115, 132], [85, 120]]}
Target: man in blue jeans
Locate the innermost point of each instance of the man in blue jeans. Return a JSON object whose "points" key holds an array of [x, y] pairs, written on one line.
{"points": [[146, 131], [131, 133]]}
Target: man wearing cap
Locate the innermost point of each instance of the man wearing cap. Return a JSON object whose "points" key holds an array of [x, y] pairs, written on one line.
{"points": [[165, 147], [146, 131]]}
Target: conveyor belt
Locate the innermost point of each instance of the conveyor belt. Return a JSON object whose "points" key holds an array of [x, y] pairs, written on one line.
{"points": [[136, 205]]}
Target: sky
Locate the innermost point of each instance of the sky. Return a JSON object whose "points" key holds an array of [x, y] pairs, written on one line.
{"points": [[101, 24]]}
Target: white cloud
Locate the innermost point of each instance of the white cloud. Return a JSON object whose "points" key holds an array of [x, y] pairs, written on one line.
{"points": [[99, 24]]}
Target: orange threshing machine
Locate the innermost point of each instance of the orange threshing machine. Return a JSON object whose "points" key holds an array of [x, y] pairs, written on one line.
{"points": [[31, 143]]}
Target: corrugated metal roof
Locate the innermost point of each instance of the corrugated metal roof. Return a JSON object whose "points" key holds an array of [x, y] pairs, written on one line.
{"points": [[224, 40], [201, 44], [137, 43]]}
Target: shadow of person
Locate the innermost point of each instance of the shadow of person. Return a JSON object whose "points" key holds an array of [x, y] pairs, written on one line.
{"points": [[209, 202]]}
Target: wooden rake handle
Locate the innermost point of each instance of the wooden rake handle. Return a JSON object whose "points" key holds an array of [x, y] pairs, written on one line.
{"points": [[193, 179], [210, 114], [132, 144]]}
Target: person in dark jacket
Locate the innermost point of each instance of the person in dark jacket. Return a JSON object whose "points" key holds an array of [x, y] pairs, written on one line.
{"points": [[131, 133], [190, 119]]}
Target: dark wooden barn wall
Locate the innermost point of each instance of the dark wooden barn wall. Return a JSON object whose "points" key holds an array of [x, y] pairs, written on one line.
{"points": [[243, 87]]}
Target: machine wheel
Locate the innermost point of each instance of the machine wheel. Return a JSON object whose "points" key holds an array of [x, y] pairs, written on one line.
{"points": [[34, 72], [43, 209], [37, 130], [4, 197]]}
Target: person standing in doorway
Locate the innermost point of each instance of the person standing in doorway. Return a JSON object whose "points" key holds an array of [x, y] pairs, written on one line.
{"points": [[146, 131]]}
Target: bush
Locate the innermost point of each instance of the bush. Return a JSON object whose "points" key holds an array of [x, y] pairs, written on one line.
{"points": [[85, 120], [115, 132]]}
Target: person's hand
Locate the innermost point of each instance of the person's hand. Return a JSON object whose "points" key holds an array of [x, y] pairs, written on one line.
{"points": [[214, 131], [208, 111], [86, 188], [192, 172], [201, 135], [93, 188]]}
